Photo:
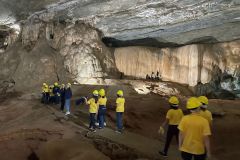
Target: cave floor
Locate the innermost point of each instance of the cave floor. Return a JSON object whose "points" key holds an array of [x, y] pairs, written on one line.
{"points": [[30, 130]]}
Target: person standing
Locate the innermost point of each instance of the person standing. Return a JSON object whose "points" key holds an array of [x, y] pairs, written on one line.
{"points": [[51, 95], [62, 95], [93, 109], [205, 113], [173, 118], [56, 92], [45, 93], [194, 133], [68, 96], [120, 101], [102, 101]]}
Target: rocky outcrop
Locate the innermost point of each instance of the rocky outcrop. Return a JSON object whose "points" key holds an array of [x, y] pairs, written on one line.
{"points": [[214, 65], [50, 52]]}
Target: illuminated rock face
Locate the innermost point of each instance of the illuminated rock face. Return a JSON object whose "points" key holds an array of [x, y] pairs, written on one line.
{"points": [[83, 54], [187, 65]]}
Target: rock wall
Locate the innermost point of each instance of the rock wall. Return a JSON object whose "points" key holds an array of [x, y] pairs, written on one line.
{"points": [[162, 23], [79, 45], [56, 51], [191, 64]]}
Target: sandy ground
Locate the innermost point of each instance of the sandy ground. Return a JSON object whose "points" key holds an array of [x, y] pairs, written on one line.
{"points": [[30, 130]]}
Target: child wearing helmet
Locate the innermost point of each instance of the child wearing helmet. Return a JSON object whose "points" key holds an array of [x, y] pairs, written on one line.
{"points": [[51, 95], [93, 109], [45, 93], [120, 101], [194, 133], [102, 101], [173, 118], [205, 113], [56, 92]]}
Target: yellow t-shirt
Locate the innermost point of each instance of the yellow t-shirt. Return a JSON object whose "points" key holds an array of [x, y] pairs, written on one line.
{"points": [[120, 104], [194, 128], [102, 101], [174, 116], [207, 115], [45, 89], [51, 92], [93, 107]]}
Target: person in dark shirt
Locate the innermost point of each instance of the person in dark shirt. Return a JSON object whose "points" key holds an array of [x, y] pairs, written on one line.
{"points": [[62, 93]]}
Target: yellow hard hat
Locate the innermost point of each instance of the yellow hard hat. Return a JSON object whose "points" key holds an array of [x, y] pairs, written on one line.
{"points": [[203, 100], [95, 92], [44, 84], [173, 100], [55, 84], [120, 92], [101, 92], [193, 103]]}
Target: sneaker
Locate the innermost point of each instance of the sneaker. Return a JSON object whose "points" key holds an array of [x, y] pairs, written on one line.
{"points": [[90, 128], [97, 124], [119, 132], [105, 124], [67, 113], [94, 131], [162, 154]]}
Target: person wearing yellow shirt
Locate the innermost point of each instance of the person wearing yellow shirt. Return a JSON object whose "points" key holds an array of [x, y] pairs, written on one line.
{"points": [[93, 109], [173, 118], [51, 95], [102, 101], [194, 133], [120, 102], [205, 113], [45, 93]]}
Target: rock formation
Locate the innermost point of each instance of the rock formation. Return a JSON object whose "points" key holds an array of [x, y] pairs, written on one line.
{"points": [[192, 64]]}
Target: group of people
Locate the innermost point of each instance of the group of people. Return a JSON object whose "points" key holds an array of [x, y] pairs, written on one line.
{"points": [[153, 76], [97, 110], [97, 104], [55, 94], [192, 131]]}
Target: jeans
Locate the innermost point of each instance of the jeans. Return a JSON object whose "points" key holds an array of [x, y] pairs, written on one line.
{"points": [[67, 104], [172, 131], [92, 120], [188, 156], [101, 112], [119, 120]]}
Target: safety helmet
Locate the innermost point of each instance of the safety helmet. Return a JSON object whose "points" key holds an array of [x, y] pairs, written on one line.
{"points": [[120, 92], [55, 84], [203, 100], [44, 84], [101, 92], [95, 92], [193, 103], [173, 100]]}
